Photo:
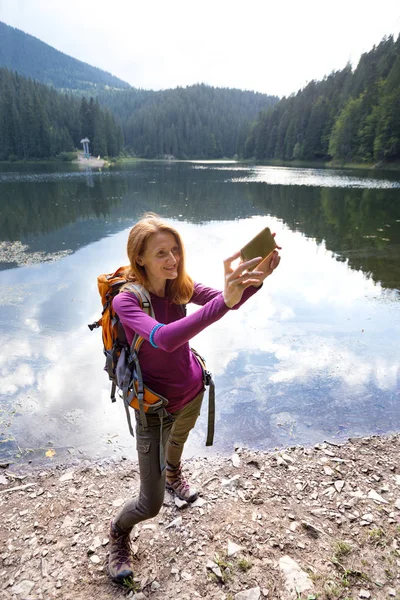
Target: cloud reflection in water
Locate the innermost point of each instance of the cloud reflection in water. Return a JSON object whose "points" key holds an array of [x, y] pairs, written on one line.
{"points": [[312, 354]]}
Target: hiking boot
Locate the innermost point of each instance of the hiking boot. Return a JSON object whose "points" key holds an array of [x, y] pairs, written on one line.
{"points": [[120, 563], [175, 482]]}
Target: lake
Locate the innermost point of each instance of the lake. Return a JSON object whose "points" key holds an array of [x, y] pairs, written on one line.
{"points": [[313, 356]]}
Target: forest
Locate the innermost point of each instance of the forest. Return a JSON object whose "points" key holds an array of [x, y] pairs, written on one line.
{"points": [[38, 122], [198, 121], [349, 116]]}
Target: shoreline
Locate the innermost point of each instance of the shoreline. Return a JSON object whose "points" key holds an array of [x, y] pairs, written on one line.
{"points": [[327, 515], [100, 163]]}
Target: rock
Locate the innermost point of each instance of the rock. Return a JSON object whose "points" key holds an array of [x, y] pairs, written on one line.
{"points": [[364, 594], [228, 483], [296, 580], [68, 476], [391, 592], [68, 522], [118, 502], [287, 459], [328, 471], [368, 517], [214, 568], [311, 529], [397, 504], [339, 485], [97, 542], [199, 503], [235, 460], [376, 497], [95, 559], [328, 452], [186, 576], [23, 588], [180, 503], [233, 548], [175, 523], [251, 594]]}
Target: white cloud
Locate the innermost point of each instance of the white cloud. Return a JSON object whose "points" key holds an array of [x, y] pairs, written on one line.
{"points": [[265, 46]]}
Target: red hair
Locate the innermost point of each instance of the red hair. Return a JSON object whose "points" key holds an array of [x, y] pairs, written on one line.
{"points": [[179, 290]]}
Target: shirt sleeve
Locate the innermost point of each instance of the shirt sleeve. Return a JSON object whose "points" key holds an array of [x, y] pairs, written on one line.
{"points": [[203, 294], [170, 336]]}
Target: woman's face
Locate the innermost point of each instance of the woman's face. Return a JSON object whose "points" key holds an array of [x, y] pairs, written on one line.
{"points": [[161, 256]]}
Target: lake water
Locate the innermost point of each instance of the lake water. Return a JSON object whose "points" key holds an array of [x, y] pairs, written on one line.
{"points": [[314, 356]]}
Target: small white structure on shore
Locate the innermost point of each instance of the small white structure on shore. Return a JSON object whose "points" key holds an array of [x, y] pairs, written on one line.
{"points": [[85, 143]]}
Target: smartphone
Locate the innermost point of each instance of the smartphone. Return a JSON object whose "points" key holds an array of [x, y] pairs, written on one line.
{"points": [[261, 245]]}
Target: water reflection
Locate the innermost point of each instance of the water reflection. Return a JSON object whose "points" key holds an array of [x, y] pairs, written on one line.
{"points": [[316, 177], [50, 217], [313, 355]]}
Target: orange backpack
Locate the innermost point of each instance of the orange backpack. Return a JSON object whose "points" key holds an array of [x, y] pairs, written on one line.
{"points": [[122, 361]]}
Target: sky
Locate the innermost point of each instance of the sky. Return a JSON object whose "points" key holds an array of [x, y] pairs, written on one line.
{"points": [[270, 46]]}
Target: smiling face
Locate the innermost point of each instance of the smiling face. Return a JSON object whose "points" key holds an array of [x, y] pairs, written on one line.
{"points": [[160, 258]]}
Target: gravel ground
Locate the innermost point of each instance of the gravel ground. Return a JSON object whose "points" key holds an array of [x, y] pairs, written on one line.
{"points": [[302, 523]]}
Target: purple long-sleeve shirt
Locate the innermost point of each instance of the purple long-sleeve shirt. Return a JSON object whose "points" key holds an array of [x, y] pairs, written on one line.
{"points": [[171, 369]]}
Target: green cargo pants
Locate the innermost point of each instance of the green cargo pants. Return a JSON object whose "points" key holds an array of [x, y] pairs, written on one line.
{"points": [[152, 481]]}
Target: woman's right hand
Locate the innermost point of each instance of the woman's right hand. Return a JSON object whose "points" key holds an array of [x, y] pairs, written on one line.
{"points": [[239, 279]]}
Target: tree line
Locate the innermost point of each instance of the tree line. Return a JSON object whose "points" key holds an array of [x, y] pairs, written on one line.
{"points": [[38, 122], [197, 121], [348, 116]]}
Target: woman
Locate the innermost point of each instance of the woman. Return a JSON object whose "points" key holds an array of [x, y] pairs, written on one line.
{"points": [[157, 262]]}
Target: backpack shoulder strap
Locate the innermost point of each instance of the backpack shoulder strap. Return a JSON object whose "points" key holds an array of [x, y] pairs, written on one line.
{"points": [[142, 295]]}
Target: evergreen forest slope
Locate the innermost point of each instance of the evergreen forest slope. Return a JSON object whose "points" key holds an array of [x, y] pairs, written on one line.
{"points": [[33, 58], [349, 116], [37, 121], [352, 115], [198, 121]]}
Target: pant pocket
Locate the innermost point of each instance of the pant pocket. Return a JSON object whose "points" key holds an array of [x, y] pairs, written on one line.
{"points": [[144, 457]]}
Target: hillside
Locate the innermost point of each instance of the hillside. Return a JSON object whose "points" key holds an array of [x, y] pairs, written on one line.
{"points": [[351, 115], [197, 121], [39, 122], [33, 58]]}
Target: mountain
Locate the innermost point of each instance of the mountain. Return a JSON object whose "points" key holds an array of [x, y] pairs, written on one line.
{"points": [[197, 121], [349, 116], [33, 58]]}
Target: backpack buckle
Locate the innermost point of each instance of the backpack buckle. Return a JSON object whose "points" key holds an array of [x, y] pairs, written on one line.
{"points": [[207, 377]]}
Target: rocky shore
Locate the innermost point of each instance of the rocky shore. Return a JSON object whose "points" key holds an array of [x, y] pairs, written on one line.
{"points": [[301, 523]]}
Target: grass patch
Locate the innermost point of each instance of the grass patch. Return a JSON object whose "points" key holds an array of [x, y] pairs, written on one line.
{"points": [[342, 549], [377, 536], [130, 584], [244, 564]]}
